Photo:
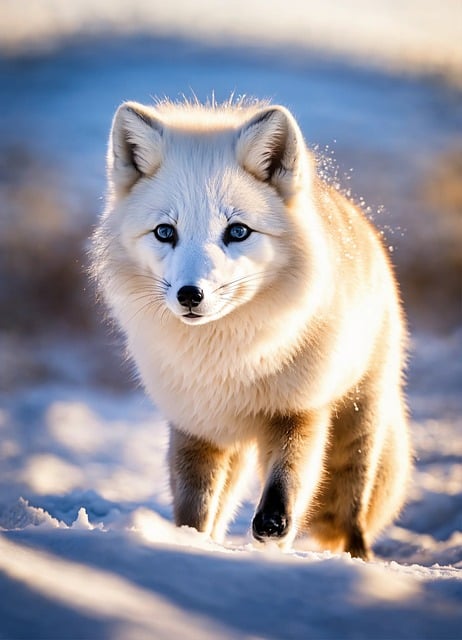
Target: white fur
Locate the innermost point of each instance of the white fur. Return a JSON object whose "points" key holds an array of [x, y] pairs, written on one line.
{"points": [[313, 306]]}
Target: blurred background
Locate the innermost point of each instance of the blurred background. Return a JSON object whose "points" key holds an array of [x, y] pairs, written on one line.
{"points": [[376, 86]]}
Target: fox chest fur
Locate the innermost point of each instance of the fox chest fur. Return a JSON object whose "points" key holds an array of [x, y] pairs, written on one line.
{"points": [[217, 385]]}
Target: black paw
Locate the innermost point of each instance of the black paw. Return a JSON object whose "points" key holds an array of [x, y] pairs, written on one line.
{"points": [[269, 525], [356, 546]]}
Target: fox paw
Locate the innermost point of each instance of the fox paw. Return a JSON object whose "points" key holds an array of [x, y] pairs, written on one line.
{"points": [[269, 525]]}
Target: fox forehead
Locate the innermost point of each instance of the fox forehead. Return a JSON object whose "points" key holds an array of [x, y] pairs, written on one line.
{"points": [[187, 192]]}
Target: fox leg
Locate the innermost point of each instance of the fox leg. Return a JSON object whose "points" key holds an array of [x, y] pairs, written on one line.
{"points": [[338, 520], [198, 474], [364, 486], [237, 474], [292, 453]]}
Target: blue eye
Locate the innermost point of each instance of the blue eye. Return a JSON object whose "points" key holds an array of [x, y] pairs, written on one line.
{"points": [[166, 233], [236, 233]]}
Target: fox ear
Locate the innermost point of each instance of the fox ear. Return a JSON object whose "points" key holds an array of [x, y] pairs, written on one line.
{"points": [[135, 146], [270, 146]]}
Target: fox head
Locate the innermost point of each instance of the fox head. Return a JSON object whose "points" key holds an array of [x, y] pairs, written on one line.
{"points": [[198, 205]]}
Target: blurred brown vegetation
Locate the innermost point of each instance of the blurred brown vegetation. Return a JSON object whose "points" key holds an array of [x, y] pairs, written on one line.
{"points": [[42, 250], [432, 271], [50, 325]]}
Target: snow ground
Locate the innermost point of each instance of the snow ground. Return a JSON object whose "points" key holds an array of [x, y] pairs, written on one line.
{"points": [[87, 548]]}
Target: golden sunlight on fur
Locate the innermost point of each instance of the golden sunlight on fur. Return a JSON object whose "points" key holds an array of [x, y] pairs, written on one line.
{"points": [[261, 311]]}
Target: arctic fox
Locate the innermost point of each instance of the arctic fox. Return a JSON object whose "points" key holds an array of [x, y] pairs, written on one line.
{"points": [[262, 312]]}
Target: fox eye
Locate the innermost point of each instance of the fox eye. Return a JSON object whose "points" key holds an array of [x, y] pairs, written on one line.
{"points": [[236, 233], [166, 233]]}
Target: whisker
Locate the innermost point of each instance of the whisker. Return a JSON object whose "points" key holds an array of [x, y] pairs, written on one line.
{"points": [[258, 277], [113, 268], [143, 309]]}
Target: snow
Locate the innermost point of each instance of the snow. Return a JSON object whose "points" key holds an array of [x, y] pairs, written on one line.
{"points": [[88, 549], [87, 545]]}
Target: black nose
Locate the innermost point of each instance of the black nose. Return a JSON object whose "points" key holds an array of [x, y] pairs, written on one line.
{"points": [[190, 296]]}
